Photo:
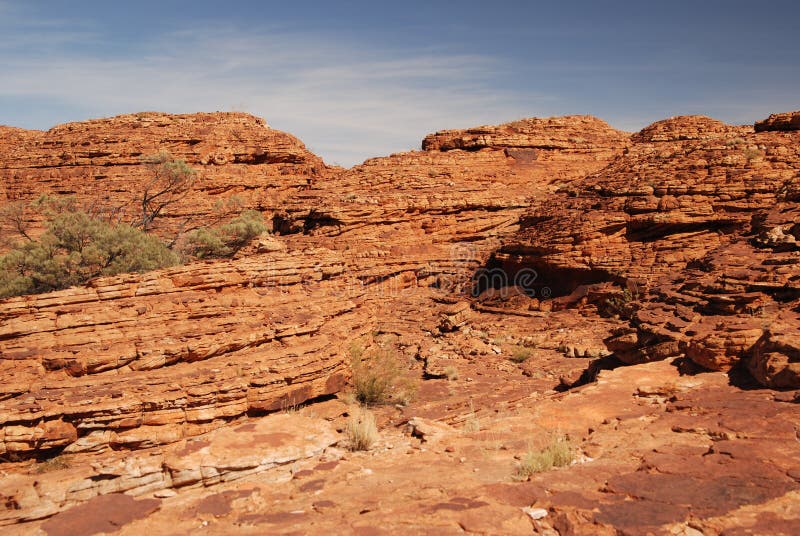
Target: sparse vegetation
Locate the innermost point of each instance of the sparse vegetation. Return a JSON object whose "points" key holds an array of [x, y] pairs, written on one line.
{"points": [[381, 378], [224, 240], [451, 373], [752, 154], [361, 430], [559, 452], [472, 423], [82, 242], [520, 354], [56, 463], [735, 142], [170, 180], [625, 304], [76, 248]]}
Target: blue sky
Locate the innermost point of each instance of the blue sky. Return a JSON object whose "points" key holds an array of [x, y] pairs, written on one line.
{"points": [[361, 79]]}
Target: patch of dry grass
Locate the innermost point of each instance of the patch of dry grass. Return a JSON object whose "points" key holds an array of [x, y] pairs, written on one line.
{"points": [[558, 452], [451, 372], [520, 354], [381, 379], [361, 430]]}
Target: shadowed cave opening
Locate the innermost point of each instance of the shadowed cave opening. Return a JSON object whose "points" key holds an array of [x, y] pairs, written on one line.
{"points": [[532, 276]]}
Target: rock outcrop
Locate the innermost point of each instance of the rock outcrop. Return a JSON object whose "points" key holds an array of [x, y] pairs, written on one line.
{"points": [[500, 267], [535, 138], [778, 122], [99, 163], [699, 217], [140, 360]]}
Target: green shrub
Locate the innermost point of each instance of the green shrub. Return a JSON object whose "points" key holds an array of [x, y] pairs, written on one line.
{"points": [[75, 248], [170, 180], [227, 239], [625, 304]]}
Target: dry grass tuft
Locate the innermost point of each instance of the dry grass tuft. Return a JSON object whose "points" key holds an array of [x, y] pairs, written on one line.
{"points": [[559, 452], [520, 354], [381, 379], [451, 372], [361, 430]]}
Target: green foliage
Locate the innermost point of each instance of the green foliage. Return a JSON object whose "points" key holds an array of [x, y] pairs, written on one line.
{"points": [[76, 248], [227, 239], [170, 180], [624, 305], [558, 452]]}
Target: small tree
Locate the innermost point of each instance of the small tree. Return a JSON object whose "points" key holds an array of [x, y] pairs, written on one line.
{"points": [[225, 240], [170, 180], [14, 221], [75, 248]]}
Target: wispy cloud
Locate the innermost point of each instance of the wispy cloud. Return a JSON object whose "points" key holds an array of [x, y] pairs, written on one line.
{"points": [[346, 102]]}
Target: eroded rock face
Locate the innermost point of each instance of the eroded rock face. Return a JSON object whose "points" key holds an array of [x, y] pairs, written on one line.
{"points": [[778, 122], [141, 360], [98, 162], [535, 138], [700, 215], [157, 385]]}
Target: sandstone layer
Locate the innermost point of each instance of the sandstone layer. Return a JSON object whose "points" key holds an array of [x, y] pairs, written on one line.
{"points": [[511, 269], [698, 219], [237, 157], [146, 359]]}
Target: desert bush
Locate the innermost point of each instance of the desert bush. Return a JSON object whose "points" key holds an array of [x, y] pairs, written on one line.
{"points": [[225, 240], [361, 430], [625, 304], [751, 154], [558, 452], [381, 378], [169, 182], [451, 373], [520, 354], [75, 248]]}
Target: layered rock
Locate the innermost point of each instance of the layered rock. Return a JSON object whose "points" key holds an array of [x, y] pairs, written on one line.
{"points": [[701, 216], [778, 122], [449, 208], [138, 360], [99, 163], [535, 138], [270, 445], [155, 385]]}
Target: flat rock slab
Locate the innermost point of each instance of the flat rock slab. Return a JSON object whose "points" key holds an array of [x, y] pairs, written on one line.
{"points": [[103, 514]]}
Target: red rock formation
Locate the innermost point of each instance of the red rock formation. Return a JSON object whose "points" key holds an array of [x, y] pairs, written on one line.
{"points": [[139, 360], [98, 162], [535, 138], [778, 122], [264, 331], [702, 216], [154, 385]]}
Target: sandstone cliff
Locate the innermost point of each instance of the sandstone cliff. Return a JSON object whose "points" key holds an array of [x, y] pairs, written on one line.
{"points": [[699, 218], [183, 388]]}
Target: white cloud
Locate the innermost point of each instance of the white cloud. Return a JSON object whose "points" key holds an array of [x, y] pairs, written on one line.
{"points": [[346, 102]]}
